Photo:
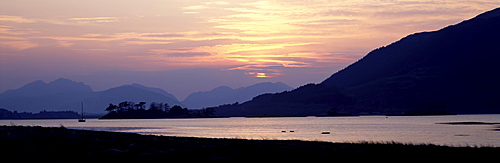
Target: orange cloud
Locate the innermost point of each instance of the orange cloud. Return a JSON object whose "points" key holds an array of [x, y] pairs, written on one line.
{"points": [[17, 44], [95, 19], [15, 19], [258, 36]]}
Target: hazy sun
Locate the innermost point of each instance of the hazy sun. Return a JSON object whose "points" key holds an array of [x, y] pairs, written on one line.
{"points": [[261, 75]]}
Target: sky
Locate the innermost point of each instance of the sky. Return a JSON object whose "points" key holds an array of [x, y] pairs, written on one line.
{"points": [[184, 46]]}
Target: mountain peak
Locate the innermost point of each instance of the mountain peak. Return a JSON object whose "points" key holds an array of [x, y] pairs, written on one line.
{"points": [[67, 85], [37, 83], [27, 89], [222, 89], [40, 88], [156, 90], [61, 80], [137, 85]]}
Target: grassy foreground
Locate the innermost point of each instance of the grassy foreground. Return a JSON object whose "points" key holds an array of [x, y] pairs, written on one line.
{"points": [[65, 145]]}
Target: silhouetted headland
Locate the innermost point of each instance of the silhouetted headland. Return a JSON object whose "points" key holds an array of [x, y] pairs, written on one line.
{"points": [[130, 110]]}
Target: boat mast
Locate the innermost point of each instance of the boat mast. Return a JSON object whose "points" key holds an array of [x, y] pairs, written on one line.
{"points": [[81, 119], [82, 109]]}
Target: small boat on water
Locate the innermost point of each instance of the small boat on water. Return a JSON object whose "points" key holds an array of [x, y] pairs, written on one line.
{"points": [[81, 119]]}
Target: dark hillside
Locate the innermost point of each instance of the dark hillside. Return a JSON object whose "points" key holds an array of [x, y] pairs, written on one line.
{"points": [[307, 100], [466, 45], [455, 67]]}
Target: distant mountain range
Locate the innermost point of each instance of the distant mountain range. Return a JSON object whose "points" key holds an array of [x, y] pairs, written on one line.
{"points": [[40, 88], [452, 70], [227, 95], [64, 94]]}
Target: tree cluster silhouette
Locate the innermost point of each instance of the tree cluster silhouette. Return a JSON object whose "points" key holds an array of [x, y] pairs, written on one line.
{"points": [[131, 110]]}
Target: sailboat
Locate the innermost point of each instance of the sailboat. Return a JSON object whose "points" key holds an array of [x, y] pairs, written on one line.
{"points": [[81, 119]]}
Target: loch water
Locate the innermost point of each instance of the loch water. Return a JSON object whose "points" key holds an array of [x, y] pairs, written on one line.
{"points": [[404, 129]]}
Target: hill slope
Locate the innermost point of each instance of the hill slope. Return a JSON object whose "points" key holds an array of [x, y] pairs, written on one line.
{"points": [[452, 70]]}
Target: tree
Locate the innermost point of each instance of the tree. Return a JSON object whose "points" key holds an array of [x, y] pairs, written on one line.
{"points": [[125, 106], [140, 106], [208, 112], [166, 108], [177, 111], [153, 106], [111, 107]]}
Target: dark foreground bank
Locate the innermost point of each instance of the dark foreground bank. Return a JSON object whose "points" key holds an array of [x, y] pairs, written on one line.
{"points": [[65, 145]]}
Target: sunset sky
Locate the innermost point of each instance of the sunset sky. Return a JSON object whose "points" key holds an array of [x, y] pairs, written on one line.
{"points": [[185, 46]]}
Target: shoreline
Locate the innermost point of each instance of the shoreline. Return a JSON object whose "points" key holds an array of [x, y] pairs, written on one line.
{"points": [[61, 144], [347, 115]]}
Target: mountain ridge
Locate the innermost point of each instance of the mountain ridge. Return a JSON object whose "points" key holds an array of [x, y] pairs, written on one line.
{"points": [[38, 88], [227, 95], [64, 94]]}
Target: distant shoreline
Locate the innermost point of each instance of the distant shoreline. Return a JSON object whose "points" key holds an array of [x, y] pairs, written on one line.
{"points": [[353, 115], [61, 144]]}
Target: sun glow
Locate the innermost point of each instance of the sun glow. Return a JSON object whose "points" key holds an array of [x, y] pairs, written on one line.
{"points": [[259, 74]]}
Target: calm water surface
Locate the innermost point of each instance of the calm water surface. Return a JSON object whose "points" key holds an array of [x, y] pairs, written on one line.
{"points": [[406, 129]]}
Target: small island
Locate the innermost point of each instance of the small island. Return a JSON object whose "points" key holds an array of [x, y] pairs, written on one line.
{"points": [[470, 123], [131, 110]]}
